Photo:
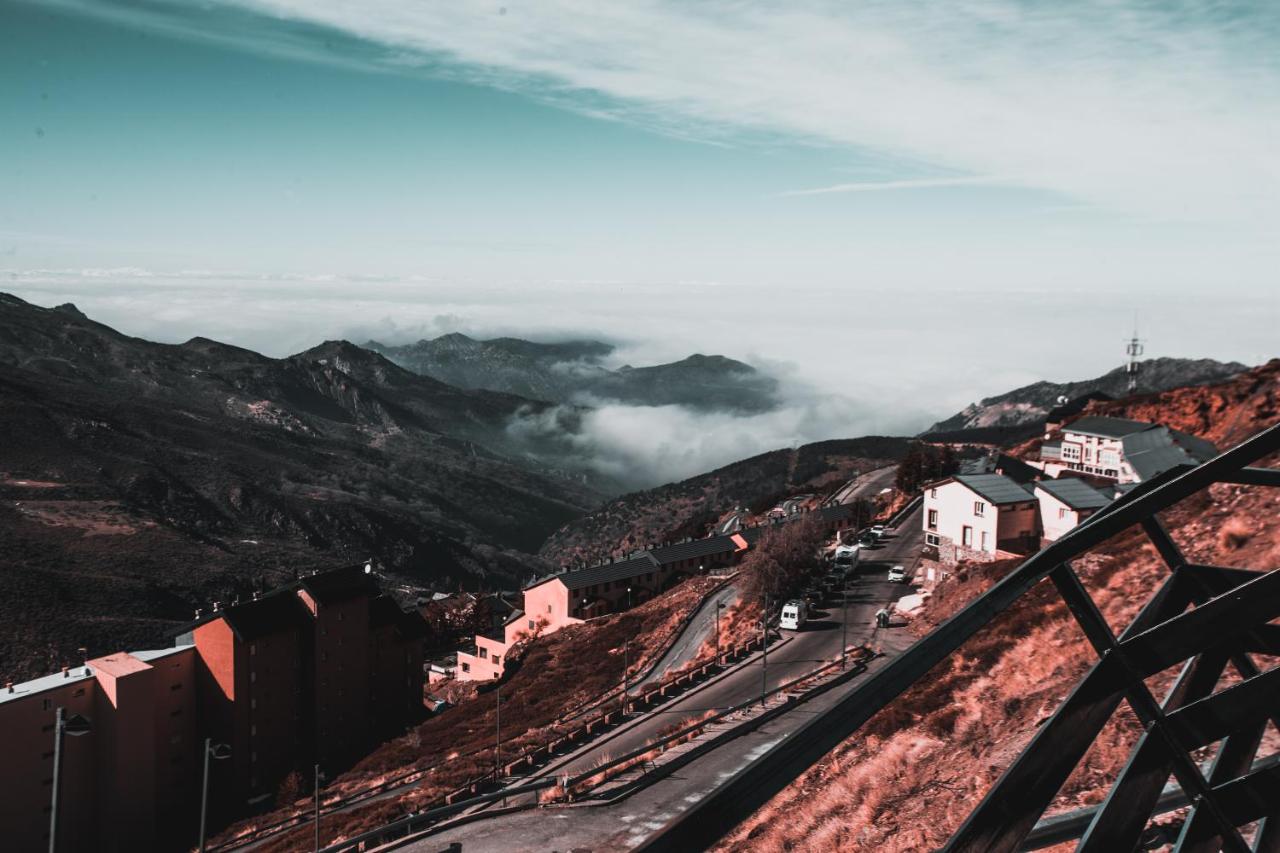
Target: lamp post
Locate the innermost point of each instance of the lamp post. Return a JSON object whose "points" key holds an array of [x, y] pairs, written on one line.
{"points": [[316, 822], [720, 605], [218, 752], [626, 667], [764, 651], [844, 626], [497, 731], [628, 598], [75, 725]]}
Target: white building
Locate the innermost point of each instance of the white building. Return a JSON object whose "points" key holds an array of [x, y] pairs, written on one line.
{"points": [[1066, 502], [976, 516], [1122, 450]]}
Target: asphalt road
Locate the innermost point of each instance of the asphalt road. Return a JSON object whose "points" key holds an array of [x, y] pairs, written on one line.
{"points": [[701, 628], [628, 823]]}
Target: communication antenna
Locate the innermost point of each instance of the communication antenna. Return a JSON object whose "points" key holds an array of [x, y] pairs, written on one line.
{"points": [[1134, 349]]}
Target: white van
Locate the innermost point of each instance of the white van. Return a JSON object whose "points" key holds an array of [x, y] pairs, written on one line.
{"points": [[793, 615], [847, 555]]}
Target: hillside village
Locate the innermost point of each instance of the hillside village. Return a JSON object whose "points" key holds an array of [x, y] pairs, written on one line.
{"points": [[329, 671]]}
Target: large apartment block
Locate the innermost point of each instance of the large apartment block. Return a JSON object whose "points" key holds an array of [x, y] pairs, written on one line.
{"points": [[1122, 450], [319, 671]]}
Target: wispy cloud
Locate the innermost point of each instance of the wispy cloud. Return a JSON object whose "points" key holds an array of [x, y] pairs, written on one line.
{"points": [[911, 184], [1166, 110]]}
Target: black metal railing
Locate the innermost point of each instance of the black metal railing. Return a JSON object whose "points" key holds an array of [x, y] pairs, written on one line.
{"points": [[1203, 617]]}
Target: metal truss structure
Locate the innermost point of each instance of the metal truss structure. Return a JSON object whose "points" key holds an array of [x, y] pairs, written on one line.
{"points": [[1204, 619]]}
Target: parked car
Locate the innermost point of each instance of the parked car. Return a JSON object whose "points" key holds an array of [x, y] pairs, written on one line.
{"points": [[898, 574], [879, 530]]}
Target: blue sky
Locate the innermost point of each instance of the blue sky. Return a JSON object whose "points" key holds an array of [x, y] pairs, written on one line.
{"points": [[907, 202]]}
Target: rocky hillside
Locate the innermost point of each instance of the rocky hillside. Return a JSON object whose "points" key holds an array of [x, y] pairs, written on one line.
{"points": [[907, 779], [1029, 404], [572, 371], [688, 507], [140, 480]]}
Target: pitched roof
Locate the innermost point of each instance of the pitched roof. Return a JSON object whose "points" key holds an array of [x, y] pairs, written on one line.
{"points": [[1105, 427], [1075, 493], [996, 488], [693, 549], [1157, 450], [604, 573], [270, 614], [337, 585]]}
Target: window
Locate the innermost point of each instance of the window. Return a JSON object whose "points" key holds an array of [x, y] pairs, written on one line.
{"points": [[979, 508], [1071, 452], [253, 649], [484, 653], [497, 659], [932, 539], [466, 667], [173, 687], [1062, 512], [933, 493], [79, 692], [933, 519], [46, 704], [966, 536], [984, 540], [548, 610], [531, 625]]}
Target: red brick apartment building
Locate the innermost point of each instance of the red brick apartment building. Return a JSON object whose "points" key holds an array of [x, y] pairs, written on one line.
{"points": [[319, 671]]}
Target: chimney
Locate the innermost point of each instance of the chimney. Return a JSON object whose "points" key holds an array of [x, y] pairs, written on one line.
{"points": [[216, 606], [255, 595], [199, 612], [9, 686], [66, 672]]}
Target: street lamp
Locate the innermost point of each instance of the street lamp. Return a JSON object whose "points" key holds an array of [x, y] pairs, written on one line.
{"points": [[75, 725], [316, 822], [497, 733], [720, 605], [844, 625], [764, 651], [218, 752], [628, 598]]}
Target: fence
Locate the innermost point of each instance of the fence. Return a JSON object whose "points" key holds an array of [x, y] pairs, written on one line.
{"points": [[1228, 621]]}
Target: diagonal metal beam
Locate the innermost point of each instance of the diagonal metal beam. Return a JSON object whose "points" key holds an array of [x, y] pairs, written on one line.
{"points": [[1222, 618], [1141, 700], [1233, 759], [1214, 717], [1119, 821]]}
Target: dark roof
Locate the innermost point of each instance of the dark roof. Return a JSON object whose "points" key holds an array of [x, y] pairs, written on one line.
{"points": [[996, 488], [1107, 427], [836, 512], [273, 613], [592, 575], [409, 624], [1075, 493], [338, 585], [1010, 466], [706, 547], [1157, 450]]}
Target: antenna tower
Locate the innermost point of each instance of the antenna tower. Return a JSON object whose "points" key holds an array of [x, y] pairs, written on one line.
{"points": [[1134, 350]]}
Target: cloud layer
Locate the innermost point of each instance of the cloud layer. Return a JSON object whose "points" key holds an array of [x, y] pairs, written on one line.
{"points": [[1164, 110]]}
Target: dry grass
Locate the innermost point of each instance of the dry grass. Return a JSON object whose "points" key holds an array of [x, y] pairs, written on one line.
{"points": [[908, 778]]}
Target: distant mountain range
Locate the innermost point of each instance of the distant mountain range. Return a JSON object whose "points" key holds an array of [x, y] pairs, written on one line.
{"points": [[139, 480], [573, 372], [1029, 404]]}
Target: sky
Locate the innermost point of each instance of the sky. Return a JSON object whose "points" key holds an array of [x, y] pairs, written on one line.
{"points": [[900, 207]]}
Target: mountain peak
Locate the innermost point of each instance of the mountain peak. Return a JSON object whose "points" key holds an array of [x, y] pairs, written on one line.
{"points": [[70, 308]]}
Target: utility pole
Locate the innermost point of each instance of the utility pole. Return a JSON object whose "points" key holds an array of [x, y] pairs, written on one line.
{"points": [[764, 651], [215, 751], [719, 607], [626, 667], [844, 626], [497, 732], [317, 810], [75, 725]]}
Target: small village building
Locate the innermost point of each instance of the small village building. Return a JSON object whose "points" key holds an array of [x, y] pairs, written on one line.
{"points": [[1065, 503], [1122, 450], [978, 516]]}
